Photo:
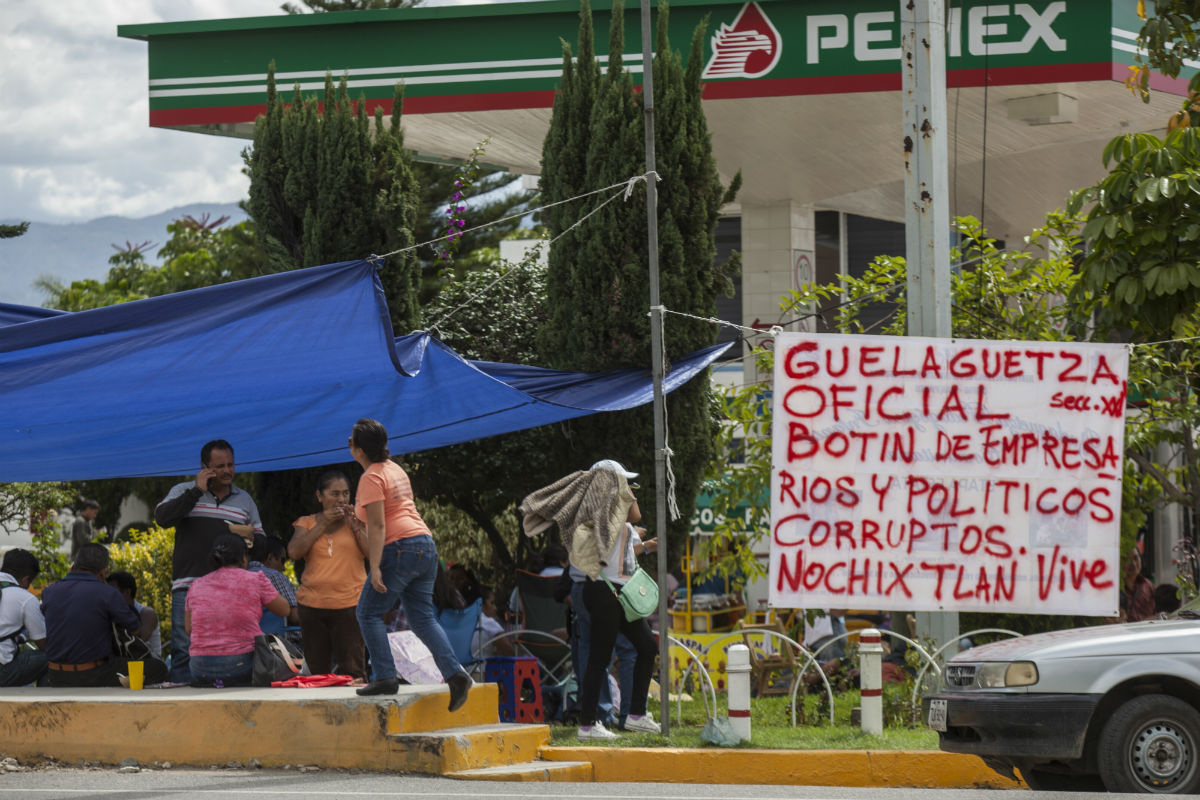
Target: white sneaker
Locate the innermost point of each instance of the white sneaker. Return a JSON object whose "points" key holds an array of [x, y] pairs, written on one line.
{"points": [[644, 724], [596, 731]]}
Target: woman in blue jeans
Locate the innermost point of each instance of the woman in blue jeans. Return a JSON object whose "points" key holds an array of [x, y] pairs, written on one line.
{"points": [[403, 564]]}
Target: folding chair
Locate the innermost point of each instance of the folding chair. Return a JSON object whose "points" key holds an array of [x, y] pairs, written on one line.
{"points": [[772, 660], [542, 616], [460, 626]]}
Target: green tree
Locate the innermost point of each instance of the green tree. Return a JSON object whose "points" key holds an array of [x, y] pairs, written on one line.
{"points": [[1169, 38], [1144, 230], [492, 197], [1004, 294], [598, 282], [13, 231], [35, 506], [1143, 271], [492, 314], [198, 252], [323, 189]]}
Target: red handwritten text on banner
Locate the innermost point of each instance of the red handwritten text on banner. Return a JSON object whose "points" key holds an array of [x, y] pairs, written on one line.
{"points": [[936, 474]]}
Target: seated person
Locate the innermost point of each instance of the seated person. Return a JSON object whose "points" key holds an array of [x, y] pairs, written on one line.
{"points": [[1166, 598], [464, 581], [269, 556], [149, 632], [223, 612], [20, 621], [821, 632], [488, 628], [80, 611], [445, 594]]}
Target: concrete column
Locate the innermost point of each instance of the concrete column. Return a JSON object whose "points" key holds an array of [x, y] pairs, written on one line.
{"points": [[870, 678], [737, 671], [776, 238]]}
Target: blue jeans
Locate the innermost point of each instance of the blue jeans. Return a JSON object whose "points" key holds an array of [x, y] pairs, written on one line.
{"points": [[26, 667], [408, 567], [230, 670], [581, 648], [180, 640]]}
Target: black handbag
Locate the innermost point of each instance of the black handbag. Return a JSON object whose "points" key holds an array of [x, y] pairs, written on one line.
{"points": [[129, 646], [274, 660]]}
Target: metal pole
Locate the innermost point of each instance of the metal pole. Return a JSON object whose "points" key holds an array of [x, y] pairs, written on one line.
{"points": [[927, 198], [656, 368]]}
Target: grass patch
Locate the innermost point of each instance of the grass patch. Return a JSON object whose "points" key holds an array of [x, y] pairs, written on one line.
{"points": [[771, 727]]}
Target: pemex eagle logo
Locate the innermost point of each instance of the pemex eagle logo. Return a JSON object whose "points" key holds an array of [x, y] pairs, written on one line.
{"points": [[749, 48]]}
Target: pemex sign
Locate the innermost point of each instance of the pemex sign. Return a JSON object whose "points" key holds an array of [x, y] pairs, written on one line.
{"points": [[936, 474], [452, 60]]}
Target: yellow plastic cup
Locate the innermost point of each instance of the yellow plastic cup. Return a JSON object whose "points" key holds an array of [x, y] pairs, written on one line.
{"points": [[136, 674]]}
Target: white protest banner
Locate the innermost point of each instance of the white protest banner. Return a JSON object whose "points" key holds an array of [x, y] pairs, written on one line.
{"points": [[936, 474]]}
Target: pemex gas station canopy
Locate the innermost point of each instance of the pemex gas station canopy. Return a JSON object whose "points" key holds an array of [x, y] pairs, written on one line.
{"points": [[803, 97]]}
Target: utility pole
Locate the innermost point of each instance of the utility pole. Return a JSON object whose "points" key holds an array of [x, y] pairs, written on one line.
{"points": [[926, 199], [656, 369]]}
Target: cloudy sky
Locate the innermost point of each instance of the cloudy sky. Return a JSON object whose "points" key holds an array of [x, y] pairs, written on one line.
{"points": [[75, 143]]}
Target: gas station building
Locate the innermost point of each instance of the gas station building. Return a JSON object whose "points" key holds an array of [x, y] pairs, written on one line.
{"points": [[804, 98]]}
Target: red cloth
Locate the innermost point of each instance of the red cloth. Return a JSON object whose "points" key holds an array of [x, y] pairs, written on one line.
{"points": [[313, 681]]}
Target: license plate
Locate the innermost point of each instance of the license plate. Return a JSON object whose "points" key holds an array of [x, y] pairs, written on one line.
{"points": [[937, 715]]}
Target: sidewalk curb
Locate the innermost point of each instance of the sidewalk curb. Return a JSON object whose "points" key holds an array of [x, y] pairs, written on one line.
{"points": [[924, 769]]}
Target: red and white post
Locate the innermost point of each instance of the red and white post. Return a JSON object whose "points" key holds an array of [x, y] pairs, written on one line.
{"points": [[737, 672], [870, 668]]}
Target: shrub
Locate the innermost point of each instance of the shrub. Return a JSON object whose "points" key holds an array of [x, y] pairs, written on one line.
{"points": [[147, 556]]}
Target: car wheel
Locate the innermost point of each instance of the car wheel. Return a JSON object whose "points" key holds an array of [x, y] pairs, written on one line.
{"points": [[1150, 745], [1041, 780]]}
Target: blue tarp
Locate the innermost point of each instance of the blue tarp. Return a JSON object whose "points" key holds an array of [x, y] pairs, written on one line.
{"points": [[281, 366]]}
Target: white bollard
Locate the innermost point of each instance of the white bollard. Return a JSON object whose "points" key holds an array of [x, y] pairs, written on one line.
{"points": [[737, 672], [870, 678]]}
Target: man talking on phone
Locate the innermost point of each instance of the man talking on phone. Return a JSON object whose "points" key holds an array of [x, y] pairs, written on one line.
{"points": [[201, 510]]}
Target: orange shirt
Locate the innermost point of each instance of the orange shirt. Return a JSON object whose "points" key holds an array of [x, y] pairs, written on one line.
{"points": [[386, 481], [333, 568]]}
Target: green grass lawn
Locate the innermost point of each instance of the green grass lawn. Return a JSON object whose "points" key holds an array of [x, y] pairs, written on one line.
{"points": [[771, 727]]}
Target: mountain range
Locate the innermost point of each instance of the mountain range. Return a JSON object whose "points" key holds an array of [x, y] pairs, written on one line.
{"points": [[80, 250]]}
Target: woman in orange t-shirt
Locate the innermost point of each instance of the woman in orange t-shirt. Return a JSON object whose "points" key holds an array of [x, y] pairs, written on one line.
{"points": [[333, 544], [403, 562]]}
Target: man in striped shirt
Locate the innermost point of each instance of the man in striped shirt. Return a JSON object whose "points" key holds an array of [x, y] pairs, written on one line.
{"points": [[200, 510]]}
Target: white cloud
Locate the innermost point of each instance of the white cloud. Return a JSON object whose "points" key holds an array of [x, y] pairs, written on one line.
{"points": [[75, 142]]}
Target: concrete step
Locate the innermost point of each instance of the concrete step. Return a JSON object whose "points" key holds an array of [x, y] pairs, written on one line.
{"points": [[534, 771], [424, 711], [329, 727], [439, 752]]}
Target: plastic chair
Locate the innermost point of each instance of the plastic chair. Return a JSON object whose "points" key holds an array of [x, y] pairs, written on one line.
{"points": [[542, 616], [460, 626]]}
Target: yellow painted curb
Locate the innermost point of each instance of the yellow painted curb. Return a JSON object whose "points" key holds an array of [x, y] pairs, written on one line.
{"points": [[427, 711], [535, 772], [458, 749], [892, 768], [322, 727]]}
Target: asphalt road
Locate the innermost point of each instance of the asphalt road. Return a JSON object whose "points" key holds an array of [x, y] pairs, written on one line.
{"points": [[226, 784]]}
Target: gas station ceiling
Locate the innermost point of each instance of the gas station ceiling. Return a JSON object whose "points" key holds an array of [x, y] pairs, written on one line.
{"points": [[812, 115]]}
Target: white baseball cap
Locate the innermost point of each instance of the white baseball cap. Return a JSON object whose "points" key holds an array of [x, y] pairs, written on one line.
{"points": [[615, 466]]}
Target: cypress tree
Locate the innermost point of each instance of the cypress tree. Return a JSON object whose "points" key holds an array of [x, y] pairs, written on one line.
{"points": [[325, 188], [598, 283]]}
